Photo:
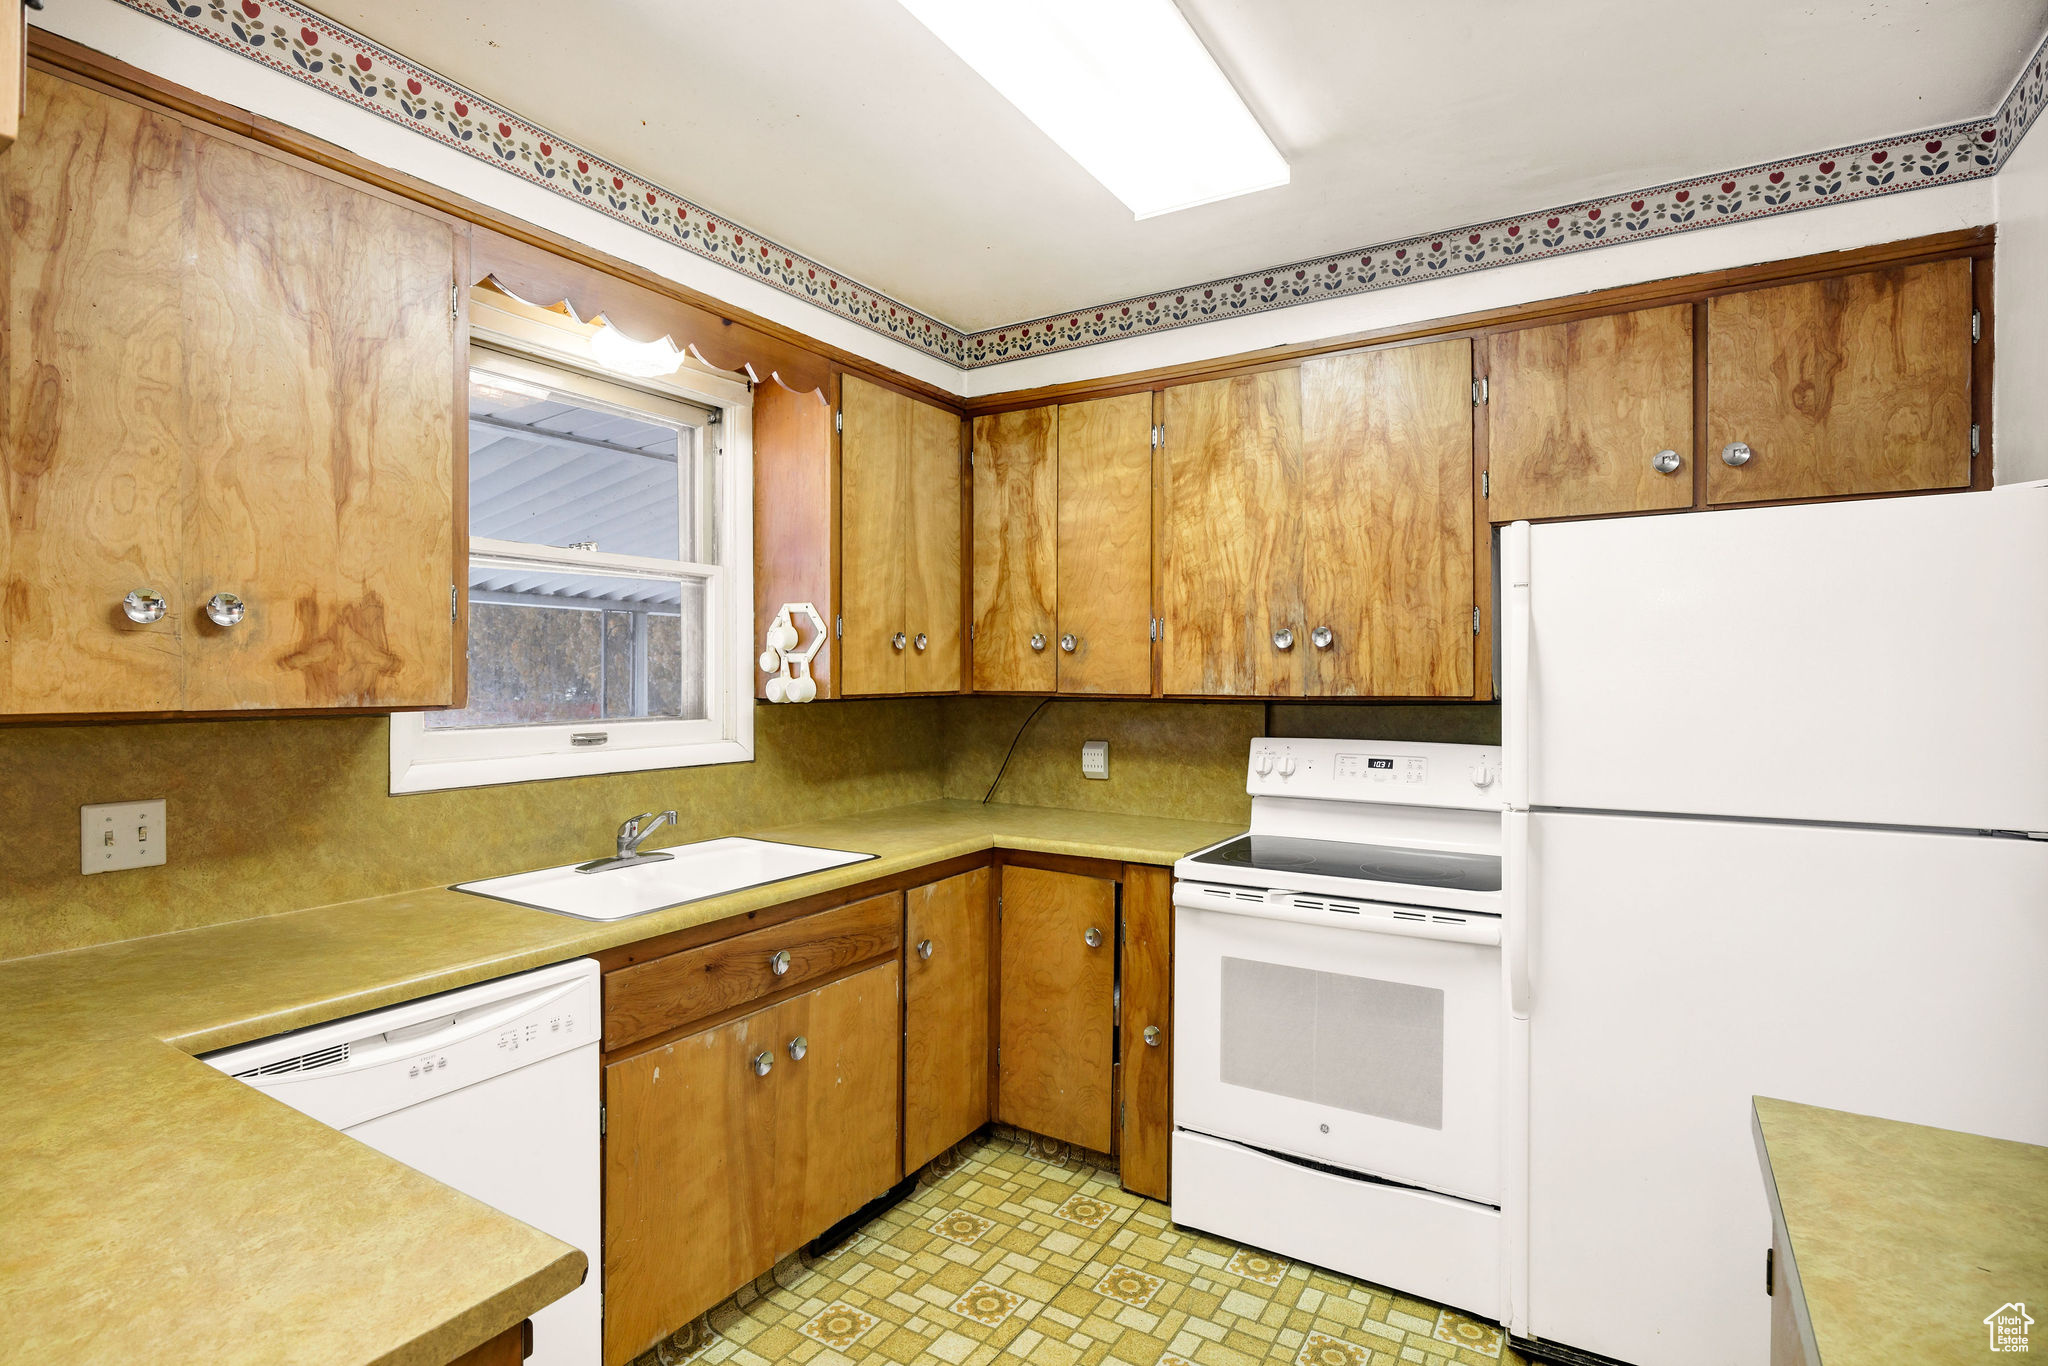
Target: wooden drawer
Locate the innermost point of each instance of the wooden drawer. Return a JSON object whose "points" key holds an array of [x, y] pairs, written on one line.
{"points": [[651, 998]]}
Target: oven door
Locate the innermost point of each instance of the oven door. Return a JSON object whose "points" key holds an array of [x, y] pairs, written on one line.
{"points": [[1361, 1045]]}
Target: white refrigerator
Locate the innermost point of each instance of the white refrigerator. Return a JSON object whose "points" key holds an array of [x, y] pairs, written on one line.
{"points": [[1777, 783]]}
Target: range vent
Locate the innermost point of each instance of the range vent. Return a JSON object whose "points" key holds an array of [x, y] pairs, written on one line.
{"points": [[329, 1056]]}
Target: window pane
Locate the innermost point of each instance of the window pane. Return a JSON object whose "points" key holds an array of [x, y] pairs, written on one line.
{"points": [[547, 647], [552, 468]]}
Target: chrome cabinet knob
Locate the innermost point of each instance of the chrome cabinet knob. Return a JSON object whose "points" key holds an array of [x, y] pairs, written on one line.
{"points": [[1069, 642], [1735, 453], [798, 1047], [1322, 637], [1092, 938], [779, 964], [921, 641], [1152, 1036], [144, 605], [1283, 639], [1038, 640], [225, 609], [763, 1063], [898, 640], [924, 948], [1665, 462]]}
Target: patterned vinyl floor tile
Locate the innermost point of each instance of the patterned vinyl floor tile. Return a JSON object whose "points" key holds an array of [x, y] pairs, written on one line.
{"points": [[1017, 1250]]}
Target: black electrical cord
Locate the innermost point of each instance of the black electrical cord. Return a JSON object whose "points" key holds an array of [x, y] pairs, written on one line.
{"points": [[1013, 749]]}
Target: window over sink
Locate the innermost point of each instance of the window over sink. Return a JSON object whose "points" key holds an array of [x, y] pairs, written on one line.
{"points": [[610, 576]]}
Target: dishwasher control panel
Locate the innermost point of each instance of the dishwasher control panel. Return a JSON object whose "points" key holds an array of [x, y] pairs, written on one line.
{"points": [[349, 1070]]}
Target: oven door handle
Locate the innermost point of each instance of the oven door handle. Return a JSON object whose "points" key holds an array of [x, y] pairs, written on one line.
{"points": [[1516, 906]]}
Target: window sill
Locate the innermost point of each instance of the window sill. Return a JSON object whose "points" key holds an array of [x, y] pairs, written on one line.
{"points": [[437, 775]]}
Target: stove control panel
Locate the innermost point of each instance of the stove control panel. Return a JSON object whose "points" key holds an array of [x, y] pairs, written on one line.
{"points": [[1408, 773]]}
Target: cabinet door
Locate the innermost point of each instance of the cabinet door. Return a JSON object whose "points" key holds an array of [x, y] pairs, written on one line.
{"points": [[1145, 1126], [1858, 384], [1228, 550], [1016, 545], [319, 487], [1058, 1005], [1386, 506], [714, 1168], [932, 591], [873, 498], [1105, 545], [93, 429], [1577, 413], [946, 936]]}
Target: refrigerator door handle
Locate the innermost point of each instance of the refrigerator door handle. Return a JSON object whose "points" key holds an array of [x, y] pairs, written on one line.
{"points": [[1515, 909], [1514, 711]]}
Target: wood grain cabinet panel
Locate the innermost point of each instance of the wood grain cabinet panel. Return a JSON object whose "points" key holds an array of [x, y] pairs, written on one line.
{"points": [[228, 375], [1229, 548], [874, 497], [1386, 508], [933, 585], [947, 938], [1016, 545], [1057, 1005], [794, 505], [1145, 1125], [714, 1169], [1105, 545], [1579, 411], [1852, 385]]}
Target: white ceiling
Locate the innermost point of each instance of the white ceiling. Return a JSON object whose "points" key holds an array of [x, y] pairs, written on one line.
{"points": [[844, 129]]}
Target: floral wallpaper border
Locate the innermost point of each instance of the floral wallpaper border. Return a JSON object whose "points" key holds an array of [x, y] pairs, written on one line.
{"points": [[290, 38]]}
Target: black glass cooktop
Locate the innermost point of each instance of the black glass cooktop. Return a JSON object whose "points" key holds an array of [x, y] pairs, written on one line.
{"points": [[1378, 862]]}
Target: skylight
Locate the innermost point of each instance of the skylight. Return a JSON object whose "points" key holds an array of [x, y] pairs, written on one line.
{"points": [[1122, 86]]}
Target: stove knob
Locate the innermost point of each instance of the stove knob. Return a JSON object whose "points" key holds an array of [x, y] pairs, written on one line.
{"points": [[1265, 764], [1287, 767], [1481, 775]]}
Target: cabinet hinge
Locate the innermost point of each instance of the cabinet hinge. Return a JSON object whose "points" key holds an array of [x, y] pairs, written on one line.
{"points": [[455, 300], [1479, 391], [451, 602], [1973, 441], [839, 420], [1486, 483], [1158, 628], [999, 908], [600, 1119], [1976, 326], [1475, 621], [838, 628], [1158, 435]]}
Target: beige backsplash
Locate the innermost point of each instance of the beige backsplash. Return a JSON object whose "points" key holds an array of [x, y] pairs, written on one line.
{"points": [[267, 815]]}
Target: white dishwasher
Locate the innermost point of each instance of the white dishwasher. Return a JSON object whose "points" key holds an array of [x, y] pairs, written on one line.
{"points": [[491, 1089]]}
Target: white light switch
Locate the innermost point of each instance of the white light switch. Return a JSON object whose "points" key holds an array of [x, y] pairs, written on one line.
{"points": [[1095, 758], [120, 835]]}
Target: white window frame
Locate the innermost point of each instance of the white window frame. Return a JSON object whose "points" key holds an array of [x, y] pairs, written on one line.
{"points": [[518, 345]]}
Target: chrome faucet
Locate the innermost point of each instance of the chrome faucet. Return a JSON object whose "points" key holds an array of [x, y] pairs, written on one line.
{"points": [[632, 835]]}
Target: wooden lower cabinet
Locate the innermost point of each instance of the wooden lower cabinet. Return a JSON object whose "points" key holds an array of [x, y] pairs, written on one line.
{"points": [[947, 943], [1145, 1088], [1058, 1005], [728, 1148]]}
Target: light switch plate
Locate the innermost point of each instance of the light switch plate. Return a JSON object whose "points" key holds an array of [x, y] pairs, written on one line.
{"points": [[1095, 758], [115, 835]]}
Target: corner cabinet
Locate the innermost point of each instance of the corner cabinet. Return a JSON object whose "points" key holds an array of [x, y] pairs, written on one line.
{"points": [[235, 428]]}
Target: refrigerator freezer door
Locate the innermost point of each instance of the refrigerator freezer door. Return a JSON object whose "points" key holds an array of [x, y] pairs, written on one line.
{"points": [[1873, 662], [1681, 967]]}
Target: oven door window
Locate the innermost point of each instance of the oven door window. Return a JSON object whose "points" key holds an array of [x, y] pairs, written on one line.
{"points": [[1362, 1044]]}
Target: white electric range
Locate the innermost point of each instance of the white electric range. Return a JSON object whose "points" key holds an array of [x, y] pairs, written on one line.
{"points": [[1340, 1016]]}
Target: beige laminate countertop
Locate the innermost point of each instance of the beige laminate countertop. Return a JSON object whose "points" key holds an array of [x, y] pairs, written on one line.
{"points": [[154, 1210], [1902, 1238]]}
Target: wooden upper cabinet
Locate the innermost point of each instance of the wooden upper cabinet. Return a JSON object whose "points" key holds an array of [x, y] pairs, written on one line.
{"points": [[1852, 385], [228, 375], [1386, 536], [948, 932], [900, 503], [1105, 545], [1016, 545], [1228, 544], [1578, 414], [1058, 1005], [793, 511]]}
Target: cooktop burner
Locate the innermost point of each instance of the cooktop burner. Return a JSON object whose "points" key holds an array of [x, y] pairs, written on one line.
{"points": [[1374, 862]]}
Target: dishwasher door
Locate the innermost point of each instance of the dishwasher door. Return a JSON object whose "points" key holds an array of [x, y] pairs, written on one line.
{"points": [[491, 1089]]}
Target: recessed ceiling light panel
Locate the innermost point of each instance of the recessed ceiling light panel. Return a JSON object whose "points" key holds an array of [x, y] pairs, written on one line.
{"points": [[1124, 87]]}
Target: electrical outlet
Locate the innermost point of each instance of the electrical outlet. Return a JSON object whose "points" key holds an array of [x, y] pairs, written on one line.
{"points": [[1095, 758], [121, 835]]}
